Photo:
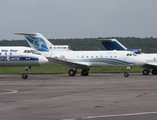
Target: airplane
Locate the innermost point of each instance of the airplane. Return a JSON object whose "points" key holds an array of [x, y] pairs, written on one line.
{"points": [[82, 59], [151, 58], [20, 56]]}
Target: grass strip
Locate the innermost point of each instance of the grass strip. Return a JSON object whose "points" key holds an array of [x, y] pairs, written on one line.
{"points": [[51, 68]]}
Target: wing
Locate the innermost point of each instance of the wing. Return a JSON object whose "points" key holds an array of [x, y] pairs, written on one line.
{"points": [[68, 63], [151, 65]]}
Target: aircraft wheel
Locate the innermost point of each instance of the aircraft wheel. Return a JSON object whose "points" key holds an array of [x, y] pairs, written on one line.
{"points": [[84, 72], [126, 74], [154, 72], [145, 72], [24, 76], [71, 72]]}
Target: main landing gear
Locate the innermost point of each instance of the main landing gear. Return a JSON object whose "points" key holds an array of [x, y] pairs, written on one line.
{"points": [[146, 72], [154, 72], [72, 72], [84, 72], [24, 76]]}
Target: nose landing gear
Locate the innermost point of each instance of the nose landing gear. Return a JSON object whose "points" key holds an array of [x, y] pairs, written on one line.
{"points": [[127, 73], [24, 76]]}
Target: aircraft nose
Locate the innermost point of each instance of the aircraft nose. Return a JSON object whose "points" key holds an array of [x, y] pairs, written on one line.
{"points": [[141, 62], [42, 60]]}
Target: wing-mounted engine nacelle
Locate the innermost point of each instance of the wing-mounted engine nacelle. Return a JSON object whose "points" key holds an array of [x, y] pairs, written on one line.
{"points": [[61, 47]]}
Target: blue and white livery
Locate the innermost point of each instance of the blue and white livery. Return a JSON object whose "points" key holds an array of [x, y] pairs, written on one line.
{"points": [[151, 58], [21, 56], [84, 59], [113, 44]]}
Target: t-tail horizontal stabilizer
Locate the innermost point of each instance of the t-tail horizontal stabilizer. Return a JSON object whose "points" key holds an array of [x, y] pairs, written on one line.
{"points": [[113, 44]]}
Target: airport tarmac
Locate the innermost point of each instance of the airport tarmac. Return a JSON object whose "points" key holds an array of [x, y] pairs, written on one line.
{"points": [[109, 96]]}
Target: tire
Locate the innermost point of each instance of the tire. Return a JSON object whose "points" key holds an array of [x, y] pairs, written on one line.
{"points": [[145, 72], [84, 72], [24, 76], [154, 72], [71, 72], [126, 74]]}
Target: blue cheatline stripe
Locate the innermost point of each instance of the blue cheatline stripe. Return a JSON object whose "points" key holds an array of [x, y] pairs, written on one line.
{"points": [[18, 58], [101, 60]]}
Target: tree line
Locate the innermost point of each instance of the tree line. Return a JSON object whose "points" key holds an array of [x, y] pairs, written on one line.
{"points": [[148, 45]]}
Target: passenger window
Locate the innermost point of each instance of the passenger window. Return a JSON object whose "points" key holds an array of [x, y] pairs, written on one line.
{"points": [[25, 51], [115, 56], [5, 53], [110, 56], [10, 53], [91, 56], [0, 53]]}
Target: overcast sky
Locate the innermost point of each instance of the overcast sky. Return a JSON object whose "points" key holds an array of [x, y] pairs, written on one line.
{"points": [[78, 18]]}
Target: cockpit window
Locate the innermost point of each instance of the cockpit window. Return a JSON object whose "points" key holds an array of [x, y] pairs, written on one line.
{"points": [[32, 51], [35, 52], [25, 51], [131, 54]]}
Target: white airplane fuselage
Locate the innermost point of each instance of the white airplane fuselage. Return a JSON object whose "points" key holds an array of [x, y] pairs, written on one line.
{"points": [[100, 58]]}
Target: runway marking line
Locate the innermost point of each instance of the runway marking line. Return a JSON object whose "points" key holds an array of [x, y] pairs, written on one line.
{"points": [[10, 91], [116, 115], [107, 89]]}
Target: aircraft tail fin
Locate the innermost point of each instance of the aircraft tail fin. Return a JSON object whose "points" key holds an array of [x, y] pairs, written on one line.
{"points": [[37, 41], [113, 44]]}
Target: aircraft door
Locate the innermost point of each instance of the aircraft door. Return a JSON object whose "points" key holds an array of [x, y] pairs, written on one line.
{"points": [[126, 57]]}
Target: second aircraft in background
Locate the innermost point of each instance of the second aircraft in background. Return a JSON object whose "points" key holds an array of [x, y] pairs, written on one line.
{"points": [[20, 56], [151, 58]]}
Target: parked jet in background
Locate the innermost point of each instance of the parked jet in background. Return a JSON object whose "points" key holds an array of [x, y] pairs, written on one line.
{"points": [[113, 44], [62, 55], [20, 56]]}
